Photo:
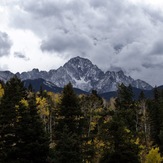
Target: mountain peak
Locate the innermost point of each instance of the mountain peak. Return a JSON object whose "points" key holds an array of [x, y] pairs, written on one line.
{"points": [[79, 58], [80, 66], [35, 70], [82, 72], [79, 61]]}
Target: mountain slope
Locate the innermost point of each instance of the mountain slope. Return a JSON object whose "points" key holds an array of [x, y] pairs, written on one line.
{"points": [[48, 86], [80, 72], [87, 76], [136, 93], [5, 75]]}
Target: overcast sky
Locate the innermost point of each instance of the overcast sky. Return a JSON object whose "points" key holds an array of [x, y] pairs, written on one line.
{"points": [[114, 34]]}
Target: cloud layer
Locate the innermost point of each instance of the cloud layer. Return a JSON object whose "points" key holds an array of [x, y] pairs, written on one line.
{"points": [[5, 44], [113, 34]]}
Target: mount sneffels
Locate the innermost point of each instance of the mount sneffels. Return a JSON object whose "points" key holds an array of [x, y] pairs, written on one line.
{"points": [[83, 75]]}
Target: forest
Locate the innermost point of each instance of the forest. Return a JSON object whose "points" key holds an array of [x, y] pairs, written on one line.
{"points": [[46, 127]]}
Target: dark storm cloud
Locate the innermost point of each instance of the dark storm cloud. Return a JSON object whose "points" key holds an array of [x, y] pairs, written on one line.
{"points": [[20, 55], [100, 20], [110, 33], [115, 22], [5, 44], [46, 16], [66, 42]]}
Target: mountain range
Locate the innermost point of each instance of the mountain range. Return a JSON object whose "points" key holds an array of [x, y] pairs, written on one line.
{"points": [[83, 74]]}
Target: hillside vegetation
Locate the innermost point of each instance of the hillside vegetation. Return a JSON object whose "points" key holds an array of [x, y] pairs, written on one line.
{"points": [[69, 128]]}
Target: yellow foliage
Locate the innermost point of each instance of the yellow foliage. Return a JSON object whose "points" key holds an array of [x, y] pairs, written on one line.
{"points": [[154, 156], [112, 104], [42, 106], [57, 98], [16, 107], [89, 142], [24, 102], [93, 125], [98, 110], [127, 130], [1, 91]]}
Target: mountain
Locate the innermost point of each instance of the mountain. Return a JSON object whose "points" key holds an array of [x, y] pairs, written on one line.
{"points": [[48, 86], [38, 83], [80, 72], [83, 74], [5, 75]]}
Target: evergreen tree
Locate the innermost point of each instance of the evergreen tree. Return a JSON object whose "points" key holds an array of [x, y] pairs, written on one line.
{"points": [[30, 88], [141, 96], [124, 97], [155, 108], [154, 113], [14, 91], [22, 137], [69, 128], [125, 106], [33, 145], [122, 147], [120, 130]]}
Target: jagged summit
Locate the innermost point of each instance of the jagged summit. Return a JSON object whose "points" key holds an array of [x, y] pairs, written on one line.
{"points": [[79, 60], [80, 65], [83, 74]]}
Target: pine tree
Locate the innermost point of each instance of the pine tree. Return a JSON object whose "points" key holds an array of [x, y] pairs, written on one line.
{"points": [[125, 106], [141, 96], [154, 117], [120, 130], [155, 107], [122, 147], [33, 145], [68, 130], [22, 136], [14, 91]]}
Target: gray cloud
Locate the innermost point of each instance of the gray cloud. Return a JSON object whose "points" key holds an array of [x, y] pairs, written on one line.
{"points": [[157, 47], [155, 16], [110, 33], [20, 55], [67, 42], [151, 65], [5, 44]]}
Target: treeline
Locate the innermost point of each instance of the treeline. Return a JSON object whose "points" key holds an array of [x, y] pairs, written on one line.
{"points": [[45, 127]]}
